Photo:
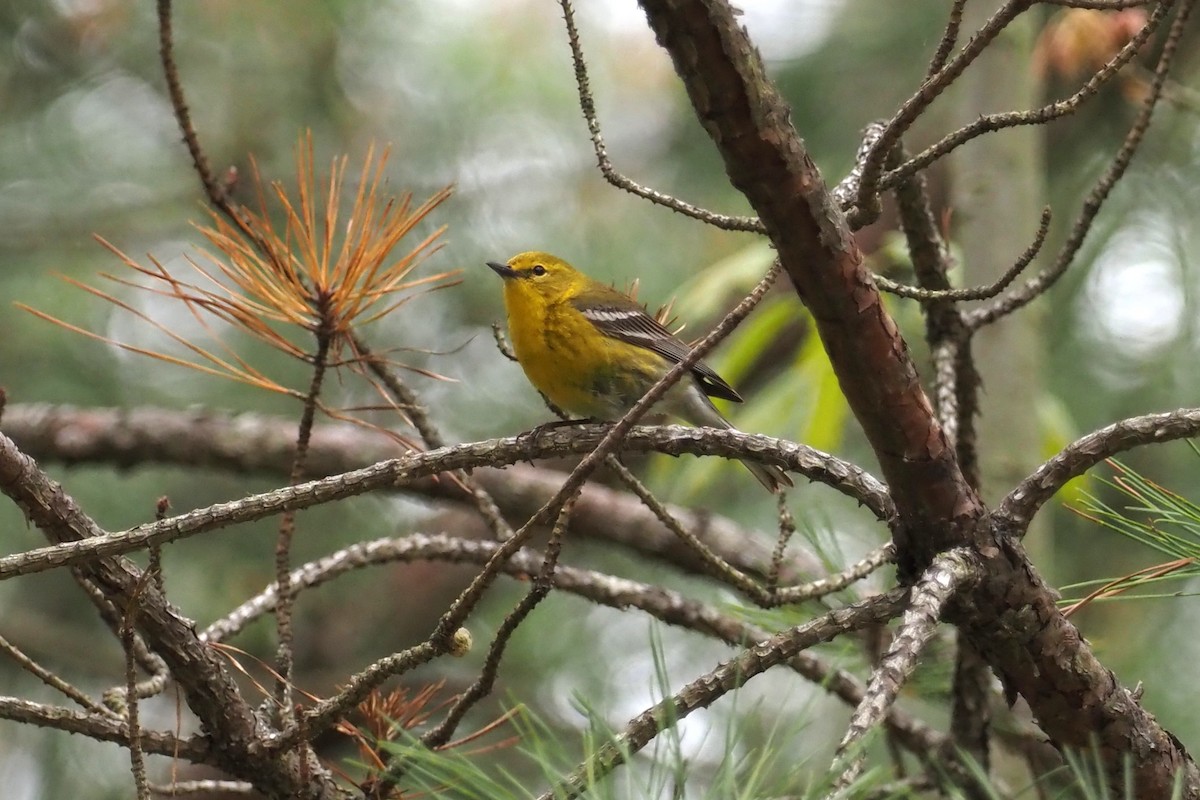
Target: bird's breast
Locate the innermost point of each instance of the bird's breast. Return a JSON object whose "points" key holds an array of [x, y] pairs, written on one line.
{"points": [[557, 348]]}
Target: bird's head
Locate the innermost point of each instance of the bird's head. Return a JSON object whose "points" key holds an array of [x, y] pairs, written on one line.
{"points": [[541, 274]]}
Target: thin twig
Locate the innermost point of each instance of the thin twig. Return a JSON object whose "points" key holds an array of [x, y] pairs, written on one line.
{"points": [[706, 689], [1038, 285], [838, 581], [787, 530], [588, 106], [166, 45], [151, 686], [990, 123], [137, 759], [216, 193], [50, 679], [975, 292], [719, 567], [418, 415], [443, 732], [542, 583], [948, 40], [666, 605], [869, 184], [324, 714], [148, 660], [287, 524], [154, 562], [407, 399]]}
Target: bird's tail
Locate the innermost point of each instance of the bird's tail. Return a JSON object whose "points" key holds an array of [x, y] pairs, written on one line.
{"points": [[699, 410], [769, 476]]}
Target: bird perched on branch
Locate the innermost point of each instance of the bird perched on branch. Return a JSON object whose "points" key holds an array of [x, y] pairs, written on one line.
{"points": [[594, 351]]}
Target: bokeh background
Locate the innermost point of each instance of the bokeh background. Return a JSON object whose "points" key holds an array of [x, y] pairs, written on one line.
{"points": [[481, 95]]}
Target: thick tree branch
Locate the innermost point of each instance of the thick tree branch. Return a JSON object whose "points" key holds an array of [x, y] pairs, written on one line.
{"points": [[1010, 616], [767, 161]]}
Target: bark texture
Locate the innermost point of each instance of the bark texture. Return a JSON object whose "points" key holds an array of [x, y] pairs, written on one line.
{"points": [[1010, 615]]}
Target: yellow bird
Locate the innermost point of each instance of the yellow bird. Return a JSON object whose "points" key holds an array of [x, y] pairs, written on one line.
{"points": [[594, 351]]}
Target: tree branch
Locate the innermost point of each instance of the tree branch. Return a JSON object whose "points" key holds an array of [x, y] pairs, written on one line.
{"points": [[1010, 616], [929, 91], [105, 728], [670, 439], [619, 593], [210, 691], [1041, 282], [250, 444], [711, 686], [588, 106], [766, 159], [929, 596], [1035, 116], [1018, 507]]}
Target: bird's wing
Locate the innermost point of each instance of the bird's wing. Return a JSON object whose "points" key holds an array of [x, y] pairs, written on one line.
{"points": [[631, 324]]}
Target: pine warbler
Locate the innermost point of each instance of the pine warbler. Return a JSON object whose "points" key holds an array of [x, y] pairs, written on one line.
{"points": [[594, 351]]}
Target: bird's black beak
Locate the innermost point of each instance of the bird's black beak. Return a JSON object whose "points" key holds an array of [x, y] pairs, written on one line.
{"points": [[503, 270]]}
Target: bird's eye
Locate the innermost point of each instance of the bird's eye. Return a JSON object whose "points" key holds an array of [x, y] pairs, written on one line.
{"points": [[538, 269]]}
